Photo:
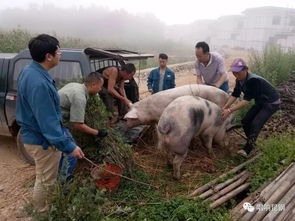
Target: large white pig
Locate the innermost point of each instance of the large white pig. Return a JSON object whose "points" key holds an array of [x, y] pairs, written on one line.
{"points": [[149, 110], [184, 118]]}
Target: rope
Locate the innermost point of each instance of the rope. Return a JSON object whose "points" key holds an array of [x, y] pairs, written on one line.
{"points": [[198, 92], [116, 174]]}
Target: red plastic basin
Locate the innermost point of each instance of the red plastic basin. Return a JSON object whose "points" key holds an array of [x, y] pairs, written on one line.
{"points": [[106, 180]]}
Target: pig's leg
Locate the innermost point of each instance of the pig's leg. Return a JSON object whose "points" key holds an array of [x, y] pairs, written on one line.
{"points": [[164, 149], [177, 161], [169, 158], [220, 138], [207, 140], [160, 145]]}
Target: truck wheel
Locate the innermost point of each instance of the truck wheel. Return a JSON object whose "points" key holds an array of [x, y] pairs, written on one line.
{"points": [[23, 151]]}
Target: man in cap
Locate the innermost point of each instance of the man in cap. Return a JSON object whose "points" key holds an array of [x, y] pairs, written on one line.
{"points": [[267, 102]]}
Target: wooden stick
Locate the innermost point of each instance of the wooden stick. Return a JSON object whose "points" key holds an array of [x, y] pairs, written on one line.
{"points": [[228, 196], [283, 215], [284, 201], [232, 171], [281, 187], [230, 187], [248, 215], [290, 215], [238, 212], [125, 177], [267, 192], [242, 135], [221, 186]]}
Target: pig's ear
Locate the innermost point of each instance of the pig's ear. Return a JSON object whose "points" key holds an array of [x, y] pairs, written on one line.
{"points": [[132, 114]]}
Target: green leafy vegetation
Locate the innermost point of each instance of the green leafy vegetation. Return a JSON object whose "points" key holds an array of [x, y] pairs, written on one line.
{"points": [[16, 40], [111, 149], [273, 63], [277, 153], [80, 200]]}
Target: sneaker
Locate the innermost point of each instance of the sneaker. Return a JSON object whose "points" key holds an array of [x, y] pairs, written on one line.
{"points": [[242, 153]]}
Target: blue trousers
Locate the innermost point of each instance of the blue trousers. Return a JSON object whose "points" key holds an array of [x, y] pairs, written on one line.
{"points": [[67, 162], [224, 87]]}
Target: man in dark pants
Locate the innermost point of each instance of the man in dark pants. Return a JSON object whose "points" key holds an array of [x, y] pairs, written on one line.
{"points": [[267, 102]]}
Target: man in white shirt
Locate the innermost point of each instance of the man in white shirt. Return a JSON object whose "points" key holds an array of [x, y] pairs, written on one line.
{"points": [[210, 67]]}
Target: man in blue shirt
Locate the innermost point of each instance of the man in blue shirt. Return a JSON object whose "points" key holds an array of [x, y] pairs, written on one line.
{"points": [[39, 116], [161, 78]]}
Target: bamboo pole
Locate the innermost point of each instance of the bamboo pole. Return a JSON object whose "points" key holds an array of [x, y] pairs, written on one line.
{"points": [[228, 196], [283, 215], [267, 192], [221, 186], [232, 171], [290, 216], [284, 201], [281, 187], [239, 212], [230, 187]]}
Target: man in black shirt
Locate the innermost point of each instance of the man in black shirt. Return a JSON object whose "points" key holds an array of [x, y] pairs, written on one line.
{"points": [[267, 102]]}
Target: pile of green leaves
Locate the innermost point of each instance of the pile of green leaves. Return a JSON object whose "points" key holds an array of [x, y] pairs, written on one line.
{"points": [[111, 149], [80, 200]]}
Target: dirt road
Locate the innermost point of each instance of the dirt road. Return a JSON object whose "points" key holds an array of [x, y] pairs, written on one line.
{"points": [[16, 181]]}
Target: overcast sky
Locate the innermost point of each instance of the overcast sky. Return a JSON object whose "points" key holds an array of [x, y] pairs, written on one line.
{"points": [[170, 12]]}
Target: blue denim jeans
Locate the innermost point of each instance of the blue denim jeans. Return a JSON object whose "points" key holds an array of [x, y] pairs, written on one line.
{"points": [[224, 87], [67, 162]]}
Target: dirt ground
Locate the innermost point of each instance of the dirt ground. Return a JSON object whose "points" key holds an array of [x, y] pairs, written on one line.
{"points": [[16, 180], [196, 166], [17, 177]]}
